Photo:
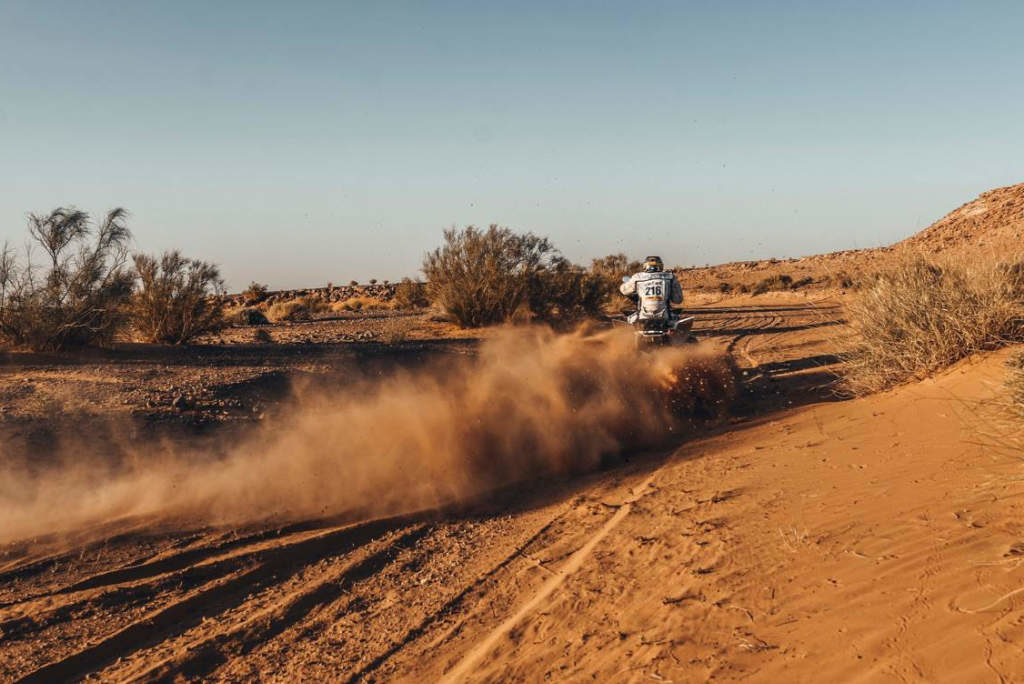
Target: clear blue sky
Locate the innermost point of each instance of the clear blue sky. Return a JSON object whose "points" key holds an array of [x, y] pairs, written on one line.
{"points": [[300, 142]]}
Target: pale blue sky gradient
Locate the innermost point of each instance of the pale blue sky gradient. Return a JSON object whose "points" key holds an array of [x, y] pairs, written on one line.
{"points": [[304, 142]]}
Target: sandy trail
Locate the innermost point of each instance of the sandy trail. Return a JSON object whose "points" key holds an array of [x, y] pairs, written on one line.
{"points": [[813, 540]]}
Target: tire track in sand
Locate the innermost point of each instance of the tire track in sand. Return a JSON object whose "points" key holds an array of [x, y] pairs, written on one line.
{"points": [[199, 656], [164, 623], [574, 563]]}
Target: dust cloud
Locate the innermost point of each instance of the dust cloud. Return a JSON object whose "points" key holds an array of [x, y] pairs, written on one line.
{"points": [[531, 404]]}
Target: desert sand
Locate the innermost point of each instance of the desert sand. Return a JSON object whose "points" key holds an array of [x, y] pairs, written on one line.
{"points": [[802, 538]]}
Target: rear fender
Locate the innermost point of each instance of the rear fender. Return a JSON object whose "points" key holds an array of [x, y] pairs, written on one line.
{"points": [[683, 326]]}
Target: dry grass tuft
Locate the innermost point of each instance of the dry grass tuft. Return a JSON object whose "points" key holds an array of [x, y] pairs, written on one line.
{"points": [[923, 315], [361, 303], [300, 309]]}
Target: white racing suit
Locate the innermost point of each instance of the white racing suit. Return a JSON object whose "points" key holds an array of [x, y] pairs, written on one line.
{"points": [[654, 292]]}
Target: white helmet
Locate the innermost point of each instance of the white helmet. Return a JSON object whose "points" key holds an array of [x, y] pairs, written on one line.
{"points": [[653, 264]]}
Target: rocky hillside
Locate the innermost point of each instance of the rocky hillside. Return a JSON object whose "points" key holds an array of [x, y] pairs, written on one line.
{"points": [[995, 220], [992, 223], [383, 292]]}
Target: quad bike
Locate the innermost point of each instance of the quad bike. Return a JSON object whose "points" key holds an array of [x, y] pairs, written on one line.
{"points": [[656, 332]]}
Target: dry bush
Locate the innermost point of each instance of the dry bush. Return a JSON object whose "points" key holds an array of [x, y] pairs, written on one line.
{"points": [[261, 336], [481, 277], [773, 284], [248, 316], [411, 294], [79, 295], [178, 298], [803, 282], [484, 277], [840, 279], [255, 293], [299, 309], [564, 293], [922, 316], [611, 268]]}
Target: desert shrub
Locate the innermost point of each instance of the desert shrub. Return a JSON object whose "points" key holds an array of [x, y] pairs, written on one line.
{"points": [[79, 295], [563, 293], [803, 282], [299, 309], [410, 294], [178, 298], [353, 283], [842, 279], [484, 277], [724, 287], [261, 336], [255, 293], [609, 270], [612, 268], [373, 281], [249, 316], [922, 316], [773, 284], [481, 277]]}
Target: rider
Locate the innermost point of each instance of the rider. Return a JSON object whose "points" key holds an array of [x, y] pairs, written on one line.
{"points": [[655, 290]]}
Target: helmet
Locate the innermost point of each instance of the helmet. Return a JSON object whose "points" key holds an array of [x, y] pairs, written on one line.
{"points": [[653, 264]]}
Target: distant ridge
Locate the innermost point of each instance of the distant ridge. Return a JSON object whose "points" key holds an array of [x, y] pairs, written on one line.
{"points": [[995, 220]]}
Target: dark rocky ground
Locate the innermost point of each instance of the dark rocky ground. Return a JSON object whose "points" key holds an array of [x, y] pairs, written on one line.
{"points": [[132, 393]]}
